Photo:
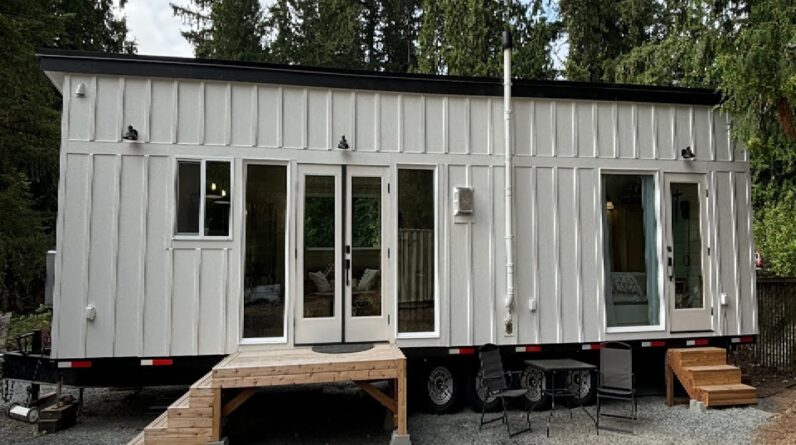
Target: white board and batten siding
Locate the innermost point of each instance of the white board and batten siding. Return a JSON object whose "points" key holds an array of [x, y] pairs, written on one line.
{"points": [[157, 296]]}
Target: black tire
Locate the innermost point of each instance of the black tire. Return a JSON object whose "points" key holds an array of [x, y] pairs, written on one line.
{"points": [[534, 379], [442, 388], [476, 392], [584, 385]]}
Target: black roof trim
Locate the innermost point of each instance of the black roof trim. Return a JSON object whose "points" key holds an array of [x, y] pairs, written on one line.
{"points": [[221, 70]]}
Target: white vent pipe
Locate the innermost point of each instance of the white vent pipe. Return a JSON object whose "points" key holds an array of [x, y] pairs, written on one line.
{"points": [[509, 175]]}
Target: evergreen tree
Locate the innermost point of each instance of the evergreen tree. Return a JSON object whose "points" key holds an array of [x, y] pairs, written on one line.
{"points": [[224, 29], [91, 25], [465, 38], [600, 32], [331, 33]]}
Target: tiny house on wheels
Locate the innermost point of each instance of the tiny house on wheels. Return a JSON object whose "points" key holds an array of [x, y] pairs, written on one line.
{"points": [[211, 207]]}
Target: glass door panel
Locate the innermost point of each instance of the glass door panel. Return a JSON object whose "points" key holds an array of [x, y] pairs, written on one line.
{"points": [[319, 246], [366, 246], [686, 253], [686, 246]]}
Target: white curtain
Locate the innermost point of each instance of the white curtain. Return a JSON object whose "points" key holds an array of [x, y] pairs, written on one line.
{"points": [[650, 248]]}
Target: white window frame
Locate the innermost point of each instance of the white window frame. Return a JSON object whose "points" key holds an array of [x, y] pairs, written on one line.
{"points": [[202, 199], [657, 178], [437, 267], [283, 339]]}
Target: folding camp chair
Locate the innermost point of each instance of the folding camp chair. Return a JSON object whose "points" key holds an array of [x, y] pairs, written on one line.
{"points": [[495, 381], [616, 379]]}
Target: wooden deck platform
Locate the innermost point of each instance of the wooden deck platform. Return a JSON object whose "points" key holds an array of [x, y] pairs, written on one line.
{"points": [[195, 418]]}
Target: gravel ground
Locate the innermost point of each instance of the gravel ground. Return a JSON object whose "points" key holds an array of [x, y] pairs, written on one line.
{"points": [[343, 415]]}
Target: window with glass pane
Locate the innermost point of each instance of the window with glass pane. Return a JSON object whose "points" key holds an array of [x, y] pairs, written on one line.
{"points": [[416, 268], [366, 249], [630, 250], [319, 251], [213, 199], [217, 198], [264, 278], [188, 197], [687, 246]]}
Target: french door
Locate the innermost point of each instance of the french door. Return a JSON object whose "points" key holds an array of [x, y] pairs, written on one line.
{"points": [[342, 257], [687, 265]]}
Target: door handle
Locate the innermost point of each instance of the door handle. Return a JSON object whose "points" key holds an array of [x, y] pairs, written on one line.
{"points": [[347, 272], [670, 263]]}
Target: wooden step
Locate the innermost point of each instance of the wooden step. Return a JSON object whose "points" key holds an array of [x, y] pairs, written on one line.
{"points": [[713, 375], [732, 394], [705, 356]]}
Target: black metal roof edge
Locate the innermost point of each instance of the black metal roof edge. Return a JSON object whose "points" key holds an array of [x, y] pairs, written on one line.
{"points": [[223, 70]]}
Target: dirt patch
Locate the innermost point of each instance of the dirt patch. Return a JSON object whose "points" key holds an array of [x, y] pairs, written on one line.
{"points": [[777, 392]]}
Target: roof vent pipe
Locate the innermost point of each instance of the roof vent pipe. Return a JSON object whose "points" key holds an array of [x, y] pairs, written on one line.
{"points": [[509, 176]]}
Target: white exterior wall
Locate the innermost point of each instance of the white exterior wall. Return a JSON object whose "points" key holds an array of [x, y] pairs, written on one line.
{"points": [[156, 296]]}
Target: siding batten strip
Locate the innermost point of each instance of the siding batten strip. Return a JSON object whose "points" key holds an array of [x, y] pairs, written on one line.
{"points": [[597, 207], [197, 314], [377, 123], [595, 131], [228, 116], [490, 131], [578, 261], [492, 263], [115, 232], [175, 108], [92, 122], [634, 112], [120, 127], [144, 222], [445, 126], [654, 124], [201, 135], [280, 98], [735, 252], [468, 136], [615, 127], [554, 128], [329, 120], [224, 303], [535, 249], [255, 115], [557, 255], [148, 110], [87, 248], [574, 117]]}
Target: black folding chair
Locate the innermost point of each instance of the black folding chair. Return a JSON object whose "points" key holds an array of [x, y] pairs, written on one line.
{"points": [[616, 380], [495, 380]]}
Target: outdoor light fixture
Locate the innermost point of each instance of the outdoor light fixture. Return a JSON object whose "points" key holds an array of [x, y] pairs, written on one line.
{"points": [[80, 91], [687, 154], [343, 144], [131, 134]]}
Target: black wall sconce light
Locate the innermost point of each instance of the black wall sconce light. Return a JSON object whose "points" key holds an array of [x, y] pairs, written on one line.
{"points": [[687, 154], [343, 144], [131, 134]]}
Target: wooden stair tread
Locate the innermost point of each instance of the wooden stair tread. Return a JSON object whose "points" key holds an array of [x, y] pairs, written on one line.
{"points": [[182, 402], [728, 387], [709, 368]]}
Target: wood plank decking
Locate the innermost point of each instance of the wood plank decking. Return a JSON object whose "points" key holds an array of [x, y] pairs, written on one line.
{"points": [[195, 418]]}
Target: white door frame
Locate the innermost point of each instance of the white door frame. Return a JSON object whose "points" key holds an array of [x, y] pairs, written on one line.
{"points": [[318, 329], [696, 319], [368, 328], [342, 326]]}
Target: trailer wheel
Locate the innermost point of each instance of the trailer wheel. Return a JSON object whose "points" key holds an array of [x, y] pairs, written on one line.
{"points": [[443, 388], [582, 384], [534, 379], [476, 393]]}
